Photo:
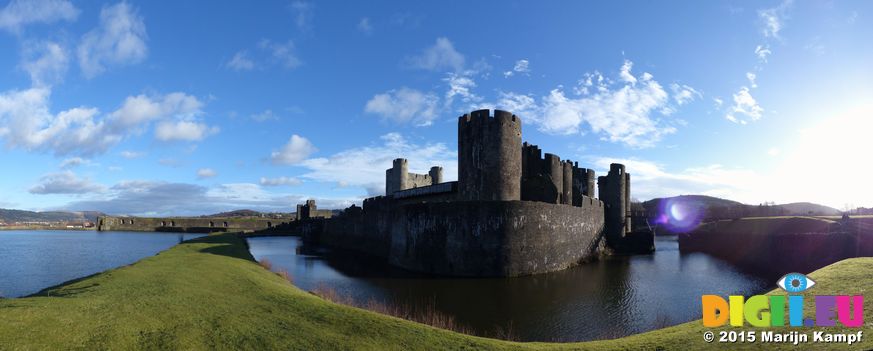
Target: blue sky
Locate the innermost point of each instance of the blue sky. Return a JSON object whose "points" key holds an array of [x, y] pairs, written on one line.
{"points": [[155, 108]]}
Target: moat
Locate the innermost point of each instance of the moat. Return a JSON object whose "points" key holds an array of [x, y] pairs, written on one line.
{"points": [[614, 297]]}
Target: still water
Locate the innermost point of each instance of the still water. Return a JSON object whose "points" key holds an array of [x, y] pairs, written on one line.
{"points": [[610, 298], [31, 260]]}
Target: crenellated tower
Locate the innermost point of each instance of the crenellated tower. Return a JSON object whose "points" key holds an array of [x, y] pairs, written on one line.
{"points": [[489, 156]]}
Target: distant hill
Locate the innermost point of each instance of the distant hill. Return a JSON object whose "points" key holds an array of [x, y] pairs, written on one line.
{"points": [[718, 208], [805, 208], [236, 213], [12, 216], [693, 200]]}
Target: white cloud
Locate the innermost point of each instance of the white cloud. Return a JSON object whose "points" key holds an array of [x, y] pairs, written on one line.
{"points": [[120, 40], [27, 123], [519, 104], [440, 56], [834, 142], [131, 154], [74, 162], [45, 62], [365, 26], [65, 183], [521, 66], [281, 53], [287, 181], [763, 51], [620, 112], [156, 198], [19, 13], [267, 115], [718, 102], [626, 72], [183, 131], [204, 173], [141, 109], [365, 166], [404, 106], [269, 53], [683, 94], [745, 108], [773, 19], [296, 150], [652, 180], [241, 62], [751, 77], [461, 85]]}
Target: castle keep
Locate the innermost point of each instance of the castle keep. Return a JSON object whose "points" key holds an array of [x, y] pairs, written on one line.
{"points": [[513, 211]]}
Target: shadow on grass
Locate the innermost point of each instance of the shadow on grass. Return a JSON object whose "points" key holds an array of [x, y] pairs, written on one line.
{"points": [[55, 290], [230, 245]]}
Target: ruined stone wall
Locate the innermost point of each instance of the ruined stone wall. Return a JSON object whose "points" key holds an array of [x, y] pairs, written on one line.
{"points": [[180, 224], [489, 156], [399, 178], [415, 180]]}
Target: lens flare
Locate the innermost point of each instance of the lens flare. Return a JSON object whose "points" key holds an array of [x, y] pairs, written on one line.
{"points": [[679, 215]]}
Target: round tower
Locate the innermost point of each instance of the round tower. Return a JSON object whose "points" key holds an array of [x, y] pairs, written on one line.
{"points": [[555, 171], [436, 174], [489, 156]]}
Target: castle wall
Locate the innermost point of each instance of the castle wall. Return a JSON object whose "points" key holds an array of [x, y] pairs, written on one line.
{"points": [[473, 238], [418, 180], [489, 156], [174, 224]]}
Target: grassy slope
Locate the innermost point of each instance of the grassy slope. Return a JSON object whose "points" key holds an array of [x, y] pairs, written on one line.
{"points": [[209, 294]]}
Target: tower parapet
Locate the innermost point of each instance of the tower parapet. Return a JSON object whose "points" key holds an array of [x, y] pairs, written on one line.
{"points": [[489, 156]]}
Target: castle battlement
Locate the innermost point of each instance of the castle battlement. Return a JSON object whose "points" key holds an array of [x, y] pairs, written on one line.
{"points": [[485, 116]]}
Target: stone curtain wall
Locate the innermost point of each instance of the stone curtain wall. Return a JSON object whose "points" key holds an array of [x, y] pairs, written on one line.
{"points": [[144, 224], [472, 238]]}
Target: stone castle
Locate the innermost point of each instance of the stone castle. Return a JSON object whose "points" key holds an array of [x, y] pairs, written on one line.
{"points": [[513, 211]]}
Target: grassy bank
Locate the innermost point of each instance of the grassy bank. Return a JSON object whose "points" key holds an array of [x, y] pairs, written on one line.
{"points": [[208, 293]]}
